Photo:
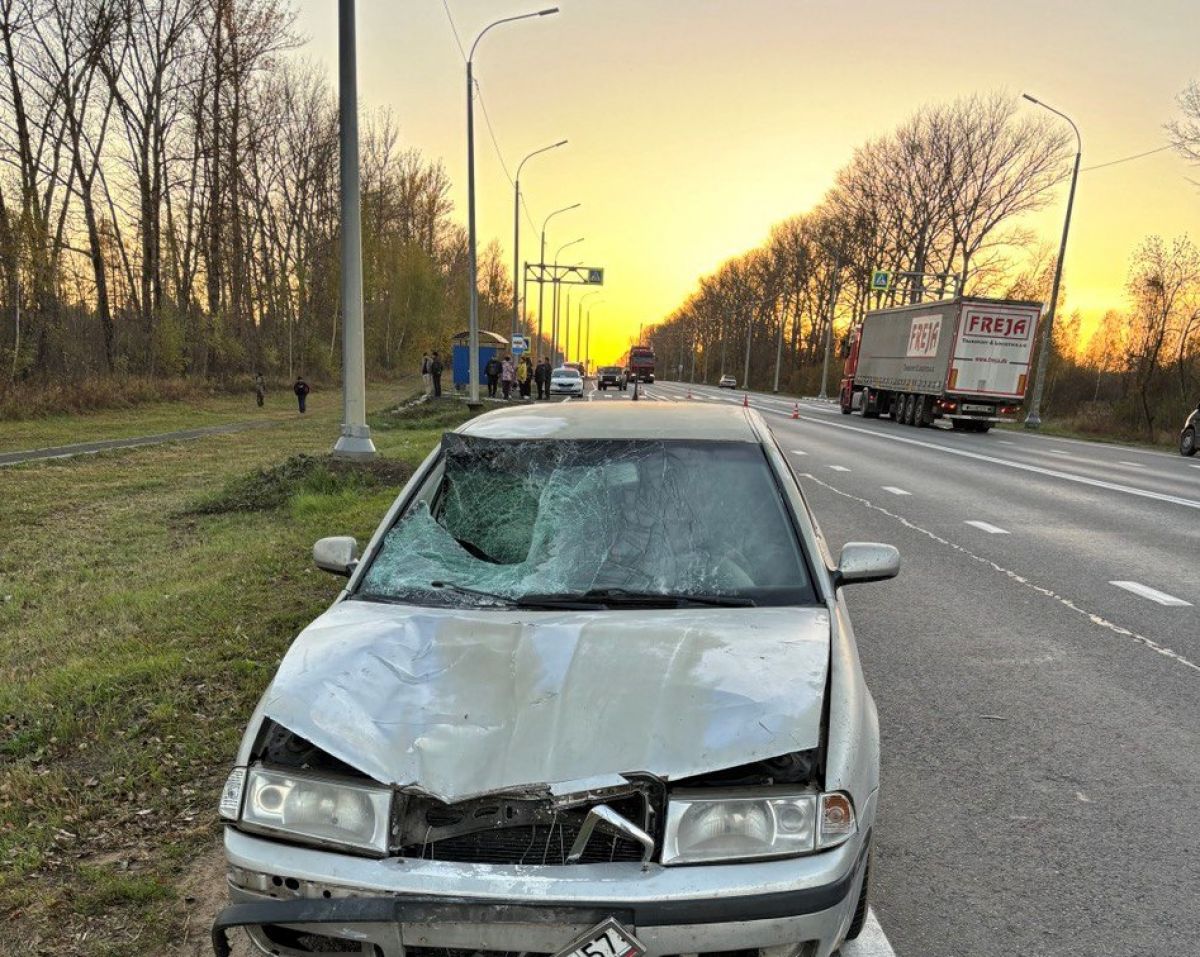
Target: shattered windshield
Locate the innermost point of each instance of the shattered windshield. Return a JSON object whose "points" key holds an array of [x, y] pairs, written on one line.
{"points": [[506, 520]]}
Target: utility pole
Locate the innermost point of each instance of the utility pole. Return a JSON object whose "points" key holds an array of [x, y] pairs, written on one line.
{"points": [[1034, 419], [833, 297], [355, 440], [779, 348]]}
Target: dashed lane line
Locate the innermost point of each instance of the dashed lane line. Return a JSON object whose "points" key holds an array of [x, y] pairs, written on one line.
{"points": [[1097, 620], [987, 527], [1153, 594], [895, 491], [839, 468], [799, 452]]}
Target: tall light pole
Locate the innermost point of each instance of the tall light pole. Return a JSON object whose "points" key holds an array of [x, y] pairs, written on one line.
{"points": [[1034, 419], [473, 327], [554, 304], [542, 263], [833, 298], [587, 349], [579, 324], [355, 440], [517, 231]]}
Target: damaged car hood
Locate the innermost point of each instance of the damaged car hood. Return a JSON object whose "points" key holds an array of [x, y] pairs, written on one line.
{"points": [[459, 702]]}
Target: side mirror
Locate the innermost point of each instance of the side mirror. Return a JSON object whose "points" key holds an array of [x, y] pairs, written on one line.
{"points": [[866, 562], [337, 554]]}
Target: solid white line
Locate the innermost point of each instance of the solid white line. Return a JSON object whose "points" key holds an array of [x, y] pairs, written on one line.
{"points": [[1023, 466], [872, 942], [895, 491], [839, 468], [1145, 591], [988, 527]]}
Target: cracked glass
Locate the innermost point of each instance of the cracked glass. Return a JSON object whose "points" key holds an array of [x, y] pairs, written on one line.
{"points": [[509, 519]]}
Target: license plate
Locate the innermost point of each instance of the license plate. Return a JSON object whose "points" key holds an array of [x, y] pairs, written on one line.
{"points": [[968, 407], [606, 939]]}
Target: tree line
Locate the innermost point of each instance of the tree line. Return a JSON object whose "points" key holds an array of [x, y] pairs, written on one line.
{"points": [[169, 201], [941, 202]]}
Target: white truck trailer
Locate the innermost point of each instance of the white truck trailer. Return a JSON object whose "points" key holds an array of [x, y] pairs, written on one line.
{"points": [[965, 360]]}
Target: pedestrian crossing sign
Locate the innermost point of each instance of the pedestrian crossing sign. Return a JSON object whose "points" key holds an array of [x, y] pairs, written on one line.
{"points": [[596, 277], [881, 280]]}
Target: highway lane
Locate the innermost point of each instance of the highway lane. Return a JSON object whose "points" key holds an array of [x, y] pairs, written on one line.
{"points": [[1039, 723]]}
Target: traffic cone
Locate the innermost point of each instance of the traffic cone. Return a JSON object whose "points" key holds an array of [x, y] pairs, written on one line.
{"points": [[796, 410], [745, 400], [689, 393]]}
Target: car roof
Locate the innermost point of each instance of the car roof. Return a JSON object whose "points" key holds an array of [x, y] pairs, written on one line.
{"points": [[620, 420]]}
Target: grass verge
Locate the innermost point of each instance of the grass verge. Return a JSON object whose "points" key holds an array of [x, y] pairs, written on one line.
{"points": [[145, 600]]}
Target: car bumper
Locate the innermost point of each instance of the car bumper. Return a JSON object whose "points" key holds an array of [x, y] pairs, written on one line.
{"points": [[799, 907], [566, 390]]}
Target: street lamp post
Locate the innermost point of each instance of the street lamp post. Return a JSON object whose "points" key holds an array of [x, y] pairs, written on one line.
{"points": [[517, 231], [579, 324], [355, 440], [1034, 419], [542, 266], [473, 326], [554, 322], [587, 349]]}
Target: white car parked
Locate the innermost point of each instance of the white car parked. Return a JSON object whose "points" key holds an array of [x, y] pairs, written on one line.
{"points": [[592, 688], [566, 380]]}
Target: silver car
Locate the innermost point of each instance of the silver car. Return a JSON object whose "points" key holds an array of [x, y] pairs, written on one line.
{"points": [[591, 689], [566, 380]]}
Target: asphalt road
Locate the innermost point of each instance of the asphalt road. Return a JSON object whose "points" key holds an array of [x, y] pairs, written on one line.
{"points": [[1040, 722]]}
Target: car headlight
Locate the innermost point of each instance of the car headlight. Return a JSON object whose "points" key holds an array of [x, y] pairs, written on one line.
{"points": [[316, 810], [703, 827]]}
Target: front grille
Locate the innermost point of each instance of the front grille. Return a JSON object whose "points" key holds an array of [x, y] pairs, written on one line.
{"points": [[540, 844]]}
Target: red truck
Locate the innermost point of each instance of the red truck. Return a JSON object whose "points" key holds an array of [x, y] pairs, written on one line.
{"points": [[965, 359], [641, 364]]}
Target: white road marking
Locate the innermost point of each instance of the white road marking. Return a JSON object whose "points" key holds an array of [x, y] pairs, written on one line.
{"points": [[799, 452], [1132, 465], [1097, 620], [1006, 442], [872, 942], [895, 491], [1023, 466], [1145, 591], [987, 527], [1057, 451], [839, 468]]}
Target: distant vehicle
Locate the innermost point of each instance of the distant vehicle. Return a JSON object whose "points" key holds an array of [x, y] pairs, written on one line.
{"points": [[727, 382], [641, 364], [964, 359], [1187, 437], [577, 366], [566, 380], [611, 375]]}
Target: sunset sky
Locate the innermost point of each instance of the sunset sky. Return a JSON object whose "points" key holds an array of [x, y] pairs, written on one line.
{"points": [[694, 125]]}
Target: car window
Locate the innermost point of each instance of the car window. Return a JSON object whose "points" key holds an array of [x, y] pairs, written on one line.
{"points": [[535, 517]]}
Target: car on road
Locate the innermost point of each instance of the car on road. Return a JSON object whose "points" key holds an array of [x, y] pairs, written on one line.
{"points": [[727, 382], [592, 681], [566, 380], [1187, 435], [611, 375]]}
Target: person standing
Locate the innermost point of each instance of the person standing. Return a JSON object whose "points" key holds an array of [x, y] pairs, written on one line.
{"points": [[426, 362], [492, 370], [541, 375], [435, 374], [260, 389], [301, 389], [508, 376], [524, 376]]}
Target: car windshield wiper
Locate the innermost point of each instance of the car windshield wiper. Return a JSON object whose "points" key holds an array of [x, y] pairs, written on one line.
{"points": [[624, 597]]}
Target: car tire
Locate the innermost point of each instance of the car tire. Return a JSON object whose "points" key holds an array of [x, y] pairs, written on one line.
{"points": [[1187, 442], [864, 904]]}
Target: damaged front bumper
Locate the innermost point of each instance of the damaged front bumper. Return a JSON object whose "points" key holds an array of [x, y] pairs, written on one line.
{"points": [[294, 901]]}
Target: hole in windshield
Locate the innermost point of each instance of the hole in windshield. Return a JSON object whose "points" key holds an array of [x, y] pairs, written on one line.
{"points": [[593, 519]]}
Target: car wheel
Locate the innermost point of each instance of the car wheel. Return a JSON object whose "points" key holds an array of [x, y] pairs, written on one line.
{"points": [[864, 904], [1187, 442]]}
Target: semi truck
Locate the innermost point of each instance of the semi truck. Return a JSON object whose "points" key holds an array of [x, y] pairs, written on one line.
{"points": [[965, 360], [641, 364]]}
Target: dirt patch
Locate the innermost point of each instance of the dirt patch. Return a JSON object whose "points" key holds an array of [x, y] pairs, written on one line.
{"points": [[274, 487], [202, 894]]}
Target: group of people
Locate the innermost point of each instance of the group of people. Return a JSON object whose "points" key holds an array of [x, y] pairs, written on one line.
{"points": [[503, 375], [431, 373]]}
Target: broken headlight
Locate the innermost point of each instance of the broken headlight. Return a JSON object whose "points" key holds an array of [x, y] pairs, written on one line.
{"points": [[317, 810], [751, 824]]}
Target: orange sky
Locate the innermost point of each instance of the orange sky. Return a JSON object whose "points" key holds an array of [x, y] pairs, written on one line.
{"points": [[694, 125]]}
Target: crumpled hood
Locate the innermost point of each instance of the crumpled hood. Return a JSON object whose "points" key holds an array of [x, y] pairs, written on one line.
{"points": [[458, 702]]}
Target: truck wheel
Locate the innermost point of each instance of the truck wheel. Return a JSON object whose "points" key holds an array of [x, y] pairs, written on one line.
{"points": [[895, 406], [921, 417], [848, 407], [910, 409]]}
